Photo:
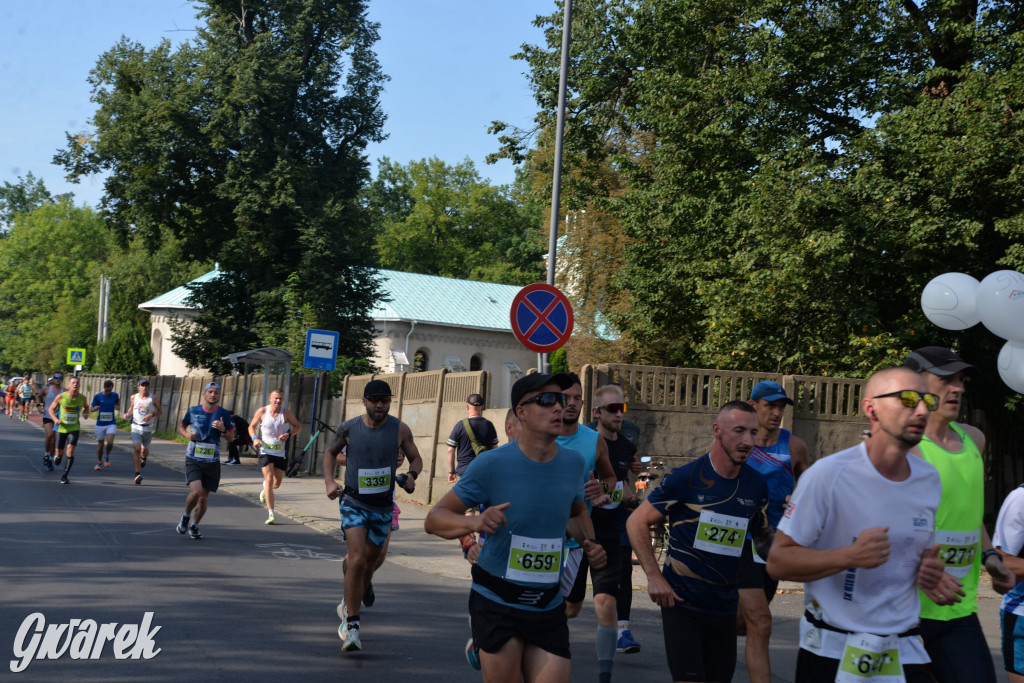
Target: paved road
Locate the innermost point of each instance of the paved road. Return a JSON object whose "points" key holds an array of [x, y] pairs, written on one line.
{"points": [[254, 602]]}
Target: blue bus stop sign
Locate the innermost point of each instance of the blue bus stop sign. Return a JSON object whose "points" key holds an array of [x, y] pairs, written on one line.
{"points": [[321, 350]]}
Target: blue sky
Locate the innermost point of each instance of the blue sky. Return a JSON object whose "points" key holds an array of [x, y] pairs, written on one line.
{"points": [[449, 63]]}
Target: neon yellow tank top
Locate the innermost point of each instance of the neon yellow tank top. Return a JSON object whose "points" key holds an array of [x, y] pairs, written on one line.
{"points": [[958, 520]]}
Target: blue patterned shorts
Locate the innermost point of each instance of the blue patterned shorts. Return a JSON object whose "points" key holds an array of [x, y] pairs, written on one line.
{"points": [[377, 524]]}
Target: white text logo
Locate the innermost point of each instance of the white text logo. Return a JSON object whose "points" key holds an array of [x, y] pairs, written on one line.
{"points": [[81, 639]]}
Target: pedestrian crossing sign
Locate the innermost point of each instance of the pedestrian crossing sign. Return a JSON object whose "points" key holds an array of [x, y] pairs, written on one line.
{"points": [[76, 356]]}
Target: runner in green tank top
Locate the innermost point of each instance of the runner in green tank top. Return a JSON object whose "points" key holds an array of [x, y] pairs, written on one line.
{"points": [[72, 410], [951, 631]]}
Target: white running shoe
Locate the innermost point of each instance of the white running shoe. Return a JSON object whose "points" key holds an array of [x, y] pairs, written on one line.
{"points": [[263, 495], [351, 638]]}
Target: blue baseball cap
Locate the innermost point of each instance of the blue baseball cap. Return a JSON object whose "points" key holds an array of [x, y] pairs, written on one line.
{"points": [[769, 391], [211, 385]]}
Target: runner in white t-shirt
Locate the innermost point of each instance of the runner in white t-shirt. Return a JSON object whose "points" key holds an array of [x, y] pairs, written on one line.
{"points": [[858, 531], [1008, 539], [143, 410], [275, 425]]}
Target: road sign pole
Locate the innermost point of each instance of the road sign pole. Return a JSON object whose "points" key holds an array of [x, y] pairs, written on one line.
{"points": [[311, 464]]}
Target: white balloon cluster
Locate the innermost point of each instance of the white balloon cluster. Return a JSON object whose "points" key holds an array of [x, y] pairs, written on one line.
{"points": [[955, 301]]}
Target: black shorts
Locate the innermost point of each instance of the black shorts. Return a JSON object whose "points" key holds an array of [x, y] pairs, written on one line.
{"points": [[47, 421], [753, 575], [812, 668], [494, 624], [24, 401], [579, 585], [606, 580], [278, 462], [64, 439], [699, 647], [208, 473]]}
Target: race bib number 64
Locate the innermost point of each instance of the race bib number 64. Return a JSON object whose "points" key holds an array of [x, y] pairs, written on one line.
{"points": [[721, 534]]}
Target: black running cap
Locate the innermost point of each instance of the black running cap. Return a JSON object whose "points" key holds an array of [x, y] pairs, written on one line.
{"points": [[377, 387], [939, 361], [536, 380]]}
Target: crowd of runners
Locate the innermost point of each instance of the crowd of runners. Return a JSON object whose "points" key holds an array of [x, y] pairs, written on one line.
{"points": [[886, 535]]}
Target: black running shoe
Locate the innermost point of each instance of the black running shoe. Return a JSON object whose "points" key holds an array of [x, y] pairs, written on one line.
{"points": [[193, 532], [64, 479]]}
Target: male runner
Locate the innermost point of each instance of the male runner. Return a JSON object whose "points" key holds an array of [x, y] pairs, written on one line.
{"points": [[372, 442], [25, 393], [107, 404], [780, 457], [143, 410], [609, 409], [469, 437], [72, 409], [711, 504], [276, 425], [203, 425], [596, 489], [952, 633], [1009, 541], [46, 397], [858, 532], [532, 490]]}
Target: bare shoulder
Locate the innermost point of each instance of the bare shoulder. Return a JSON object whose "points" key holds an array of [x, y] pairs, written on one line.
{"points": [[976, 435]]}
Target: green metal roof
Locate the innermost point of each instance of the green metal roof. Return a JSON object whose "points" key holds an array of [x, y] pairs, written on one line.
{"points": [[176, 297], [445, 301], [423, 298]]}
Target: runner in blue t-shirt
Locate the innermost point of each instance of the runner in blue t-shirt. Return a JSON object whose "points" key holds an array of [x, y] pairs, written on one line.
{"points": [[203, 425], [533, 491], [107, 404], [712, 504]]}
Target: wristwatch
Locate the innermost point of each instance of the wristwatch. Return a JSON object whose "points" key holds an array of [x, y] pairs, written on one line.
{"points": [[989, 553]]}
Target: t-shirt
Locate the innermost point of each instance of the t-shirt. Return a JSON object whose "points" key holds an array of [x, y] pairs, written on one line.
{"points": [[70, 413], [835, 500], [709, 519], [584, 441], [1009, 537], [370, 461], [527, 550], [458, 439], [104, 405], [206, 447], [606, 517], [776, 466]]}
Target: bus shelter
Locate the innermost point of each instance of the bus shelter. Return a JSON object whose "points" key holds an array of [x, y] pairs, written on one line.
{"points": [[276, 365]]}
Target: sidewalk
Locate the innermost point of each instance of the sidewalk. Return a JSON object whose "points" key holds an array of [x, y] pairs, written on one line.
{"points": [[303, 500]]}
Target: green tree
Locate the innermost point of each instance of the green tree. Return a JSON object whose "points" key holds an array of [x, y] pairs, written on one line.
{"points": [[789, 176], [28, 194], [126, 352], [50, 271], [247, 144], [446, 220]]}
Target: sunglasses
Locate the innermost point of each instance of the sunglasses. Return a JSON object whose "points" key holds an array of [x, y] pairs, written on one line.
{"points": [[613, 407], [911, 398], [546, 400]]}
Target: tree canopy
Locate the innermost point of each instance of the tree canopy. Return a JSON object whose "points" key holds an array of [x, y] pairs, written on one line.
{"points": [[788, 177], [438, 219], [247, 144]]}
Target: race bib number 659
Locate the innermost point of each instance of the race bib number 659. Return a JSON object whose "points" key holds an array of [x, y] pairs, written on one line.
{"points": [[534, 560]]}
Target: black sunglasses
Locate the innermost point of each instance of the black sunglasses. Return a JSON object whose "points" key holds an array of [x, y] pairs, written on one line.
{"points": [[546, 400], [911, 398], [613, 407]]}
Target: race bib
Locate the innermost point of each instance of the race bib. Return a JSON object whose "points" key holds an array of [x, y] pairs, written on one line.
{"points": [[69, 418], [272, 447], [534, 560], [375, 480], [868, 657], [205, 450], [616, 495], [106, 416], [957, 550], [721, 534]]}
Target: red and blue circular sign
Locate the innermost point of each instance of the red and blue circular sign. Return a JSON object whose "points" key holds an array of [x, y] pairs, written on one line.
{"points": [[541, 317]]}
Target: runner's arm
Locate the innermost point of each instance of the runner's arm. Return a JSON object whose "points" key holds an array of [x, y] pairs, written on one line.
{"points": [[53, 407], [448, 518], [295, 424], [791, 561], [408, 446], [334, 489], [256, 419], [183, 430], [131, 407], [799, 457]]}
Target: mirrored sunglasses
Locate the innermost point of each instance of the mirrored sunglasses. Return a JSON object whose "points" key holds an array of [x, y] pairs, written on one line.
{"points": [[911, 398], [613, 407]]}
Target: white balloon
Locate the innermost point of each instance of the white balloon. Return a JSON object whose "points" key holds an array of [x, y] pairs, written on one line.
{"points": [[1001, 304], [1011, 365], [949, 301]]}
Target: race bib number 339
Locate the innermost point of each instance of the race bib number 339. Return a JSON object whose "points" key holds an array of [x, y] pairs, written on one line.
{"points": [[375, 480], [534, 560], [720, 534]]}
